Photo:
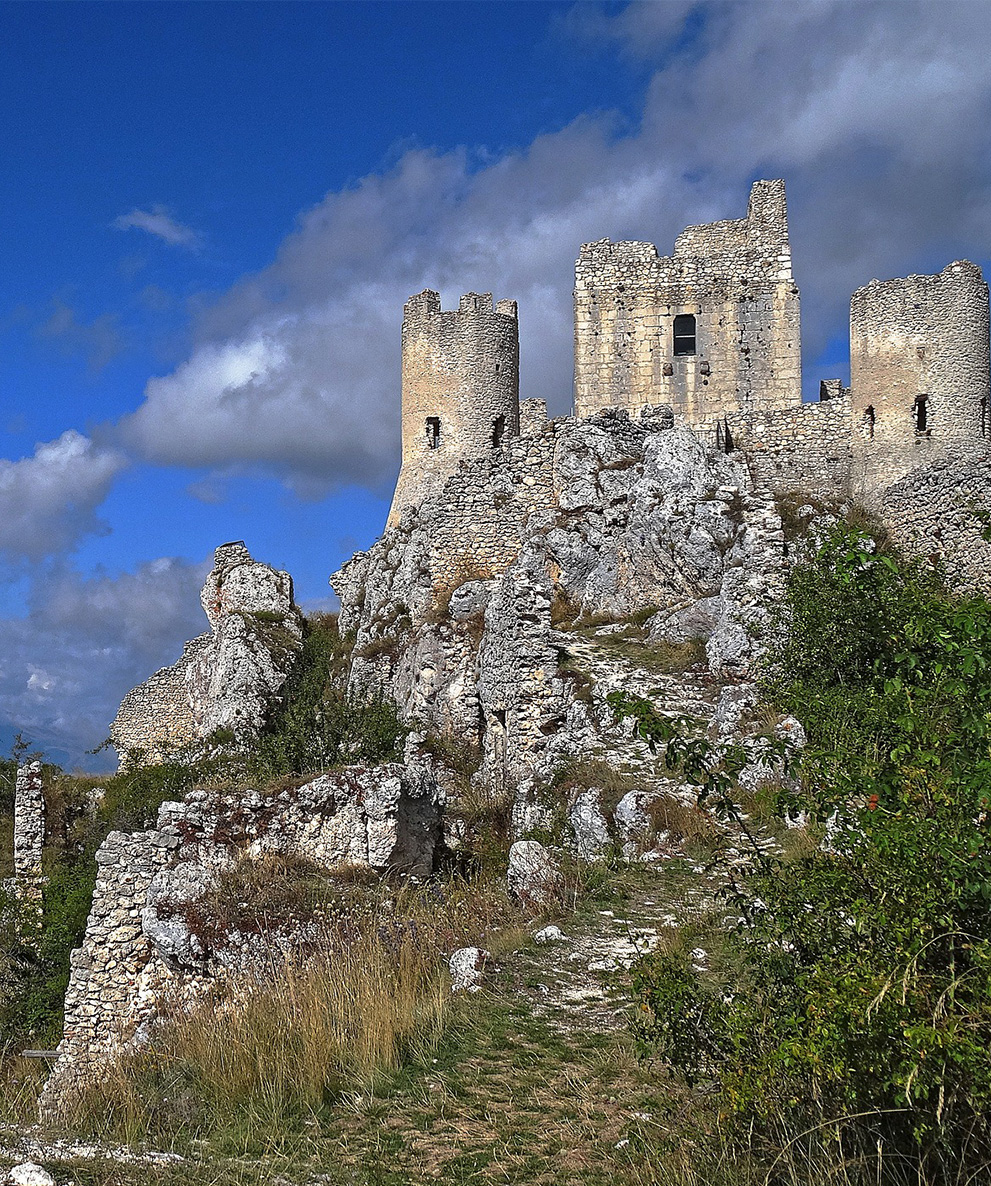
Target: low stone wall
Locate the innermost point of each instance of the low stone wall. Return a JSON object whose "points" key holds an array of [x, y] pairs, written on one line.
{"points": [[137, 954], [806, 447]]}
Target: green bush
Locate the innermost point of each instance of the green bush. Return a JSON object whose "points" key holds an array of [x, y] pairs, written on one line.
{"points": [[856, 989], [318, 726]]}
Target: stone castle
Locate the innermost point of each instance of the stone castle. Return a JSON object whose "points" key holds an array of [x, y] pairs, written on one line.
{"points": [[520, 550], [713, 332]]}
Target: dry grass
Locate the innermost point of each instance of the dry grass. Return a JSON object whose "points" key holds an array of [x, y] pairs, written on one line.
{"points": [[255, 1059], [683, 823]]}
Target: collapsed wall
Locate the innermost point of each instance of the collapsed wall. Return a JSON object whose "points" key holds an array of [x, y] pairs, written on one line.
{"points": [[142, 954], [228, 679]]}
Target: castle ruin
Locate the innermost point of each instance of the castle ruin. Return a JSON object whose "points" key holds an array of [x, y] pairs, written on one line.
{"points": [[713, 332], [461, 388]]}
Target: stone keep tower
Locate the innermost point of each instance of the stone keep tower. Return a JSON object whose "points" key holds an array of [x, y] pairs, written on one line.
{"points": [[711, 329], [919, 373], [461, 389]]}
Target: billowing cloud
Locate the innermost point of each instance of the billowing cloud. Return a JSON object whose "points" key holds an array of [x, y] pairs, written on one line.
{"points": [[876, 114], [49, 500], [159, 222], [67, 663]]}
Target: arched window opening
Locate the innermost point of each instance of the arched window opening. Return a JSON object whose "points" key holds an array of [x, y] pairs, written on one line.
{"points": [[921, 410], [433, 432], [684, 333], [498, 431], [869, 418]]}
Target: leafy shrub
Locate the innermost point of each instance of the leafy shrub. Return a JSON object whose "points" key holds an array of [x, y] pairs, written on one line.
{"points": [[857, 987], [318, 727]]}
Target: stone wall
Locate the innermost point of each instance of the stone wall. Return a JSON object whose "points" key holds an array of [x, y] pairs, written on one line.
{"points": [[805, 447], [460, 391], [156, 718], [943, 514], [138, 953], [919, 374], [486, 505], [734, 277]]}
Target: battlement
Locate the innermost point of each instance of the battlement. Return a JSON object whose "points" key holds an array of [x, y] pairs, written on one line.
{"points": [[427, 304]]}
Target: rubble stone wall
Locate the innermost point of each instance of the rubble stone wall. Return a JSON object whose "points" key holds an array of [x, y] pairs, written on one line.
{"points": [[29, 831], [943, 514], [136, 953], [804, 447], [735, 278]]}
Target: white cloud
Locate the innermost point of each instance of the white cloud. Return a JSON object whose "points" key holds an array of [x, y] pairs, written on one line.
{"points": [[49, 500], [66, 665], [159, 222]]}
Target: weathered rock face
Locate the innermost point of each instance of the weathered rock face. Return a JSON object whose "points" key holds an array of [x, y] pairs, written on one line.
{"points": [[228, 679], [612, 516], [141, 946]]}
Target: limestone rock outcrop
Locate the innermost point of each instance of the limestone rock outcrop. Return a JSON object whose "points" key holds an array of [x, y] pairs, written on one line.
{"points": [[617, 516], [228, 681]]}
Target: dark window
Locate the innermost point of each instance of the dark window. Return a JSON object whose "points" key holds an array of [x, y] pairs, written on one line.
{"points": [[869, 422], [498, 431], [921, 410], [433, 432], [984, 416], [684, 333]]}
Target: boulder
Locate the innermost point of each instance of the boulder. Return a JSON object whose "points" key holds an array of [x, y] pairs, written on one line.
{"points": [[28, 1173], [534, 877], [467, 967]]}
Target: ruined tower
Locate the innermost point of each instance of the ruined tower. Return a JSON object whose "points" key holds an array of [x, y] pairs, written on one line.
{"points": [[919, 373], [461, 389], [711, 329]]}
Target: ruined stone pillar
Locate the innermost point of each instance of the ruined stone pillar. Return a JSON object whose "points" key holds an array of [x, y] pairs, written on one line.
{"points": [[29, 832]]}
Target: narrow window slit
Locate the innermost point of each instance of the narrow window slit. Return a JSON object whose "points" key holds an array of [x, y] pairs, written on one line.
{"points": [[921, 410], [433, 432]]}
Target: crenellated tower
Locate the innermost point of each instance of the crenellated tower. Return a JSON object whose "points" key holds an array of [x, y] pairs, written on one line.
{"points": [[461, 389]]}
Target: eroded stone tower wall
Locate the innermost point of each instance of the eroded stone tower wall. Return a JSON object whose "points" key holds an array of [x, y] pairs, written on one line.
{"points": [[919, 374], [734, 278], [461, 389]]}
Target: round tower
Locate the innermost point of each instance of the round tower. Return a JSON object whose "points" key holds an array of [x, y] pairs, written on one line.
{"points": [[920, 361], [461, 389]]}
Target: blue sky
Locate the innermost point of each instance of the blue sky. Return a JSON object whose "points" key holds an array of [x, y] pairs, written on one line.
{"points": [[213, 214]]}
